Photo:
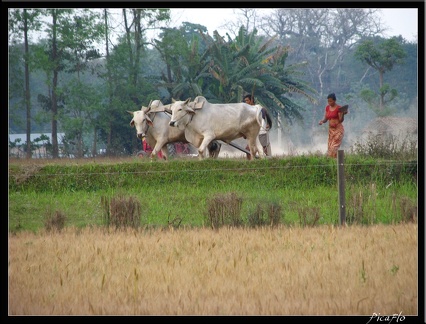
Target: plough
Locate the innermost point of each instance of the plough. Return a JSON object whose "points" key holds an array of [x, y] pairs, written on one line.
{"points": [[242, 149]]}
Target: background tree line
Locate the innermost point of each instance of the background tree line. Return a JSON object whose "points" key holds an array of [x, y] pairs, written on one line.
{"points": [[91, 66]]}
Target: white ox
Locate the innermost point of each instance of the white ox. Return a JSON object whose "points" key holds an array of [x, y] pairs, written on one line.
{"points": [[204, 122], [152, 122]]}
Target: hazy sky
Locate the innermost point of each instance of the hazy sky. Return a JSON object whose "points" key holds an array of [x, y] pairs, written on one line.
{"points": [[398, 21]]}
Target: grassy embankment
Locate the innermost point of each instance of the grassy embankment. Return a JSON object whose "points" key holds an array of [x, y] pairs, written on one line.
{"points": [[178, 192]]}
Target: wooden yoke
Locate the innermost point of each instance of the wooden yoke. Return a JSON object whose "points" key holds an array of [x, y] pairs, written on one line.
{"points": [[158, 106]]}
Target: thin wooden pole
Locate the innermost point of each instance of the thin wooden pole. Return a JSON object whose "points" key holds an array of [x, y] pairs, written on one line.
{"points": [[341, 186]]}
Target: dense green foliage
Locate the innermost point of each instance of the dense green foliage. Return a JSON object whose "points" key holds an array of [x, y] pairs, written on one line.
{"points": [[81, 82], [382, 57]]}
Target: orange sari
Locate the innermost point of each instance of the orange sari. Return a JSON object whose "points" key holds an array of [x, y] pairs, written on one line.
{"points": [[335, 137]]}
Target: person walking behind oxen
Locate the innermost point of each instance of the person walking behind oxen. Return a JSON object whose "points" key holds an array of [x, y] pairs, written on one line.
{"points": [[264, 129], [335, 125]]}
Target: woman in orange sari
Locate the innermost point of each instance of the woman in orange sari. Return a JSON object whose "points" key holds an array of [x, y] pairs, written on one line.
{"points": [[335, 125]]}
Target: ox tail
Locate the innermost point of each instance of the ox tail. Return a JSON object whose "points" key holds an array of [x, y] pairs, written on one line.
{"points": [[268, 119], [259, 115], [264, 114]]}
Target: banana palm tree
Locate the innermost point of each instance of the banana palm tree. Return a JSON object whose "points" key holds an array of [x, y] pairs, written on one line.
{"points": [[249, 64]]}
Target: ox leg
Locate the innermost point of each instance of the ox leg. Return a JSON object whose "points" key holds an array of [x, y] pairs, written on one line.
{"points": [[165, 152], [202, 148], [154, 152], [160, 148], [200, 155], [255, 148], [259, 148], [201, 152]]}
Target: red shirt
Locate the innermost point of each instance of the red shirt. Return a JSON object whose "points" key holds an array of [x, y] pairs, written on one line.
{"points": [[332, 114]]}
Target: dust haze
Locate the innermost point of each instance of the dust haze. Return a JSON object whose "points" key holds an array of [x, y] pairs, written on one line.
{"points": [[308, 137]]}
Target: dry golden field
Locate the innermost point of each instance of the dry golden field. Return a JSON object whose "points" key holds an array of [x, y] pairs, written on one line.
{"points": [[324, 270]]}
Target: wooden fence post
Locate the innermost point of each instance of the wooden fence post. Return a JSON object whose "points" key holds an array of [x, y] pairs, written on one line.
{"points": [[341, 186]]}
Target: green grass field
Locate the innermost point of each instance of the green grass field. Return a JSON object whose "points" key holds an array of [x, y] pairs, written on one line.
{"points": [[178, 192]]}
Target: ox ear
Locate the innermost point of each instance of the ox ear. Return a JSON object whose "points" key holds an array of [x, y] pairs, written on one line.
{"points": [[132, 123], [189, 110], [149, 121]]}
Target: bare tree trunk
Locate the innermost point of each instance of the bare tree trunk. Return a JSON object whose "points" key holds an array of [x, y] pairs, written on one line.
{"points": [[129, 44], [55, 150], [27, 87], [95, 139], [110, 85], [79, 139], [138, 46], [382, 95]]}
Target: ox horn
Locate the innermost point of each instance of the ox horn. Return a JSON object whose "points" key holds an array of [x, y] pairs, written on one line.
{"points": [[167, 108], [145, 109]]}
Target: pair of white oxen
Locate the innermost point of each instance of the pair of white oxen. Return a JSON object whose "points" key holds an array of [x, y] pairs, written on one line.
{"points": [[199, 123]]}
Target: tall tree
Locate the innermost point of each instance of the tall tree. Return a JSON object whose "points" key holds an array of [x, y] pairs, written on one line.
{"points": [[80, 36], [135, 34], [182, 51], [70, 46], [109, 82], [128, 83], [322, 37], [53, 66], [83, 106], [24, 21], [250, 18], [382, 55]]}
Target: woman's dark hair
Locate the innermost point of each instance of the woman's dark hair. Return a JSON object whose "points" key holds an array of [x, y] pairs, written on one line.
{"points": [[331, 96]]}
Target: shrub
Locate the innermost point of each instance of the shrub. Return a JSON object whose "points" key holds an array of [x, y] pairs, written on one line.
{"points": [[408, 210], [257, 217], [55, 221], [386, 146], [308, 216], [121, 211], [260, 217], [224, 209]]}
